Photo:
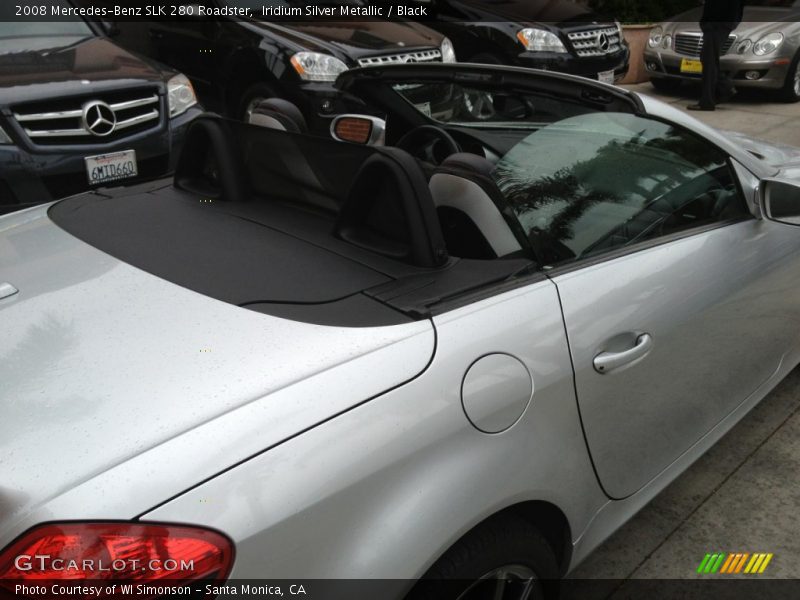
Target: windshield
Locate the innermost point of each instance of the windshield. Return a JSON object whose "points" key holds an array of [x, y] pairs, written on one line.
{"points": [[599, 181], [579, 177]]}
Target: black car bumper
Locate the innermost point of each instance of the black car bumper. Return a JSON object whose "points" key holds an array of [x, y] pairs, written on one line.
{"points": [[31, 175], [573, 65]]}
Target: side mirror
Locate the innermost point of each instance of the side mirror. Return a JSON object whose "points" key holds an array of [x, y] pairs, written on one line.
{"points": [[359, 129], [781, 201]]}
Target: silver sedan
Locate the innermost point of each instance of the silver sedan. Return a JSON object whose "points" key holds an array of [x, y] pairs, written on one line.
{"points": [[763, 52]]}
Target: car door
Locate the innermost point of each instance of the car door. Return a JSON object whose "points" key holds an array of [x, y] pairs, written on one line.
{"points": [[678, 304]]}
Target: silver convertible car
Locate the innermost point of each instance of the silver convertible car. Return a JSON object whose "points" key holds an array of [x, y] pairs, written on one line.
{"points": [[452, 363], [762, 52]]}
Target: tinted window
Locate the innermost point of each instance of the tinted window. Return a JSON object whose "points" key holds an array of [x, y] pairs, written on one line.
{"points": [[601, 181]]}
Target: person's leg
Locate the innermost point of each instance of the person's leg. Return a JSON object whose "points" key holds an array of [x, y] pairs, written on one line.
{"points": [[709, 56]]}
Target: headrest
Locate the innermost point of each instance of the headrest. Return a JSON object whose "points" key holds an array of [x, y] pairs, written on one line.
{"points": [[277, 113], [465, 161], [389, 210], [210, 163]]}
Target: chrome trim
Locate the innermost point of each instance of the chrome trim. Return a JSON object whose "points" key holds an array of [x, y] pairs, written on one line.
{"points": [[137, 120], [47, 133], [134, 103], [690, 43], [407, 57], [63, 114], [80, 129], [601, 41]]}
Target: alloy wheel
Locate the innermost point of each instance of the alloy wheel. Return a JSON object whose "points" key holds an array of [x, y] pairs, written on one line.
{"points": [[509, 582]]}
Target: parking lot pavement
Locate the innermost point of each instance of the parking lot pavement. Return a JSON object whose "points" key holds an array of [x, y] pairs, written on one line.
{"points": [[742, 496], [752, 112]]}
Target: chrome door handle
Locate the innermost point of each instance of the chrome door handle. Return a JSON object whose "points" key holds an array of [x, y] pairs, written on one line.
{"points": [[608, 361]]}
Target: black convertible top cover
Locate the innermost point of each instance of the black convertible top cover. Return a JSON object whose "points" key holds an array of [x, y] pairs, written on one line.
{"points": [[286, 224]]}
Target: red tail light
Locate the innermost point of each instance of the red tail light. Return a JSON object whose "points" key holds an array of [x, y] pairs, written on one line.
{"points": [[139, 552]]}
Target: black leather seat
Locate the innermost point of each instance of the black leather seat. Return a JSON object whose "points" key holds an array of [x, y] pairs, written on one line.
{"points": [[277, 113], [389, 211], [470, 209]]}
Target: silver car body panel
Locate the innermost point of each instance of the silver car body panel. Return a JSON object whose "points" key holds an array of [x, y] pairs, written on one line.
{"points": [[113, 373], [414, 474], [686, 295]]}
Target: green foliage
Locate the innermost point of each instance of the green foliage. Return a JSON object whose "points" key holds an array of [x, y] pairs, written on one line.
{"points": [[642, 11]]}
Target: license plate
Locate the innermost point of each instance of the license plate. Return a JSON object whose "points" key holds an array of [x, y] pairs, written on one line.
{"points": [[605, 76], [691, 66], [105, 168]]}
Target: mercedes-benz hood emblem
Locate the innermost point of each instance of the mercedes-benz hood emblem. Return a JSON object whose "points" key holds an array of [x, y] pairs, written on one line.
{"points": [[98, 118]]}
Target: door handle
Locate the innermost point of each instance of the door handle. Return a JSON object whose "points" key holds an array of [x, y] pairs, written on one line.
{"points": [[608, 361]]}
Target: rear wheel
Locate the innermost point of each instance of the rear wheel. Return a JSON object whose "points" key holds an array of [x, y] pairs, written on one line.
{"points": [[668, 86], [791, 89], [505, 558]]}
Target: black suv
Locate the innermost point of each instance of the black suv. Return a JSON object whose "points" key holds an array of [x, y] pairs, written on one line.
{"points": [[236, 62], [556, 36], [77, 111]]}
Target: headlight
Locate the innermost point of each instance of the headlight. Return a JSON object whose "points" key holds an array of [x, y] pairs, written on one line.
{"points": [[744, 46], [448, 52], [180, 95], [4, 137], [539, 40], [768, 44], [315, 66], [656, 36], [666, 42]]}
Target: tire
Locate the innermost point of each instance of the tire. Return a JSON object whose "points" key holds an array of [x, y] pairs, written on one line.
{"points": [[504, 548], [249, 97], [791, 89], [667, 86]]}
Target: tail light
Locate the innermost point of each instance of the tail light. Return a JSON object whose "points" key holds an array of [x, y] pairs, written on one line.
{"points": [[105, 552]]}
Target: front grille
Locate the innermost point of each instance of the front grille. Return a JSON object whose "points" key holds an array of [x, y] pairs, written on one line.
{"points": [[691, 44], [395, 59], [596, 42], [65, 121]]}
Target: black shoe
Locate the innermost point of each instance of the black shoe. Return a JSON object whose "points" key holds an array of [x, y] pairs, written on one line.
{"points": [[701, 107]]}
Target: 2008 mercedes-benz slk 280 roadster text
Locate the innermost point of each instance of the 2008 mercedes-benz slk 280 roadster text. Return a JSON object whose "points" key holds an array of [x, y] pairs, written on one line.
{"points": [[471, 353]]}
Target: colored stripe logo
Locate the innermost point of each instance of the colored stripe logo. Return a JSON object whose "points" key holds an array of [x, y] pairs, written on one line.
{"points": [[734, 562]]}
